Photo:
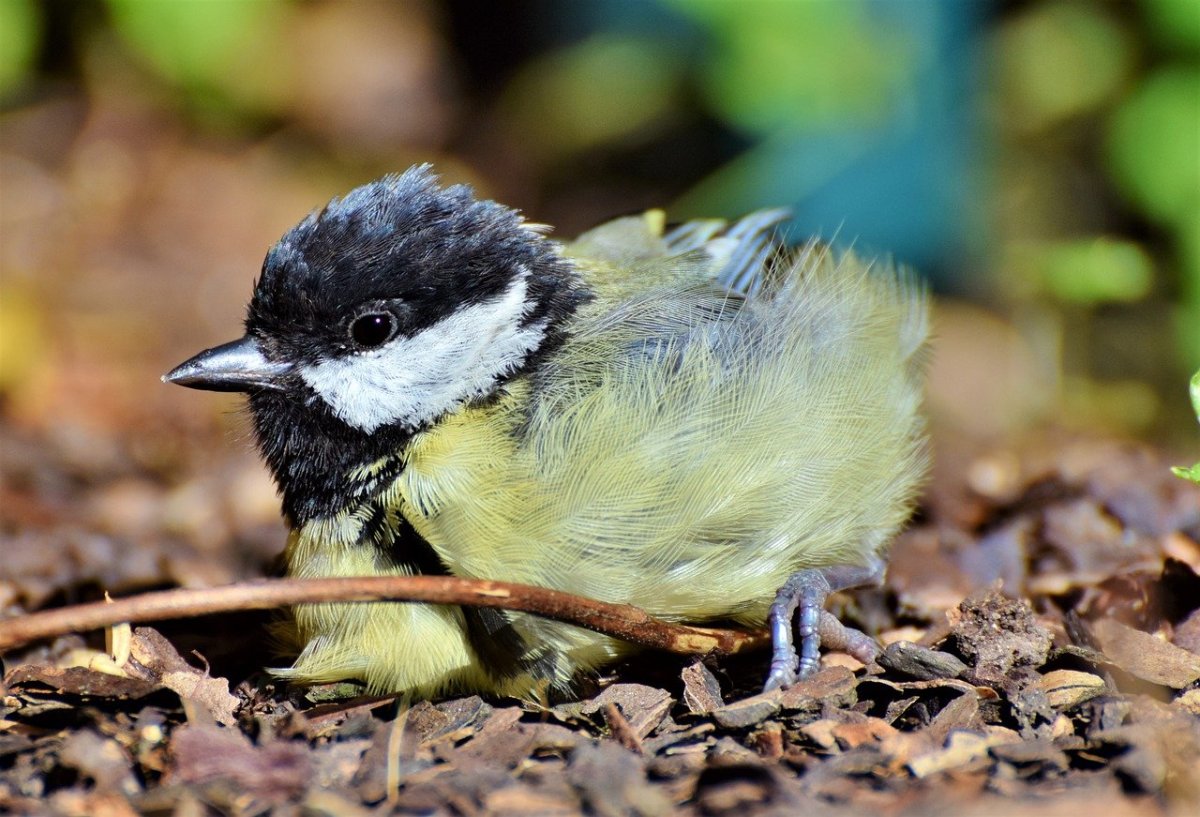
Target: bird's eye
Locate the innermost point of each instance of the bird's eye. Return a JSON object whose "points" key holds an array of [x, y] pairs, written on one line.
{"points": [[373, 329]]}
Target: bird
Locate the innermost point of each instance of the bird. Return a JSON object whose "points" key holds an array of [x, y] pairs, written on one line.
{"points": [[695, 419]]}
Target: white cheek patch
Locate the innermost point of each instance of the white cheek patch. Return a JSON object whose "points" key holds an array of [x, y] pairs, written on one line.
{"points": [[414, 380]]}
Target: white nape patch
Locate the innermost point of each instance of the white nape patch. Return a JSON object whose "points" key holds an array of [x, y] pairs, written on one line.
{"points": [[414, 380]]}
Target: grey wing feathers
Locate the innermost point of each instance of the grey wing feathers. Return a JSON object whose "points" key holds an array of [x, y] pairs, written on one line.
{"points": [[757, 241], [785, 423], [742, 251], [692, 235]]}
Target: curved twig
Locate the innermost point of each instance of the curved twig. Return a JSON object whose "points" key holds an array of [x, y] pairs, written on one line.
{"points": [[621, 621]]}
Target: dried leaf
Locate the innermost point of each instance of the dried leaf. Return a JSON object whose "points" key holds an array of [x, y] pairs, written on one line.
{"points": [[155, 659], [1146, 657], [79, 681]]}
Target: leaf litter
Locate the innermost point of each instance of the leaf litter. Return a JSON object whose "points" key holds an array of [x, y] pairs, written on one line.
{"points": [[1040, 647]]}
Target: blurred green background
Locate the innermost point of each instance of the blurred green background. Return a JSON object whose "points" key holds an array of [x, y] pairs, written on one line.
{"points": [[1038, 161]]}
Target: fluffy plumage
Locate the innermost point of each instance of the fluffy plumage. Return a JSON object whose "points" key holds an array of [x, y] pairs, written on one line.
{"points": [[677, 419]]}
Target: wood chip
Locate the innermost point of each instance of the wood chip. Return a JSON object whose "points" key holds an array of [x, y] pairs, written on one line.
{"points": [[613, 782], [749, 711], [1066, 688], [622, 732], [867, 731], [821, 733], [206, 753], [103, 760], [1029, 752], [961, 713], [829, 686], [1144, 656], [701, 691], [643, 707], [920, 662], [961, 749], [768, 741]]}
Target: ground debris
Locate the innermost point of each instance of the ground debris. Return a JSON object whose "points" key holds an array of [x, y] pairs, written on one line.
{"points": [[701, 690], [920, 662], [1000, 637], [1040, 649], [1145, 656]]}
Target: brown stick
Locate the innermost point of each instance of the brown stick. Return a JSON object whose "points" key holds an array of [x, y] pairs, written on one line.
{"points": [[618, 620]]}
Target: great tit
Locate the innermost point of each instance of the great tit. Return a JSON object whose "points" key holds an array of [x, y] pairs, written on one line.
{"points": [[694, 420]]}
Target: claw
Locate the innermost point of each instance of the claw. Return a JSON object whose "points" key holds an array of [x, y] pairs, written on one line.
{"points": [[802, 599]]}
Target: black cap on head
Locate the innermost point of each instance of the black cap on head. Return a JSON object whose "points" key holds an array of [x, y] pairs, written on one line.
{"points": [[401, 237]]}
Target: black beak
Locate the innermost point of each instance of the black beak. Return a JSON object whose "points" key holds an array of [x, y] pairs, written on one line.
{"points": [[236, 366]]}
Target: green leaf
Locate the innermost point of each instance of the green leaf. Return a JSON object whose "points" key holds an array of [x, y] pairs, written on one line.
{"points": [[1192, 474]]}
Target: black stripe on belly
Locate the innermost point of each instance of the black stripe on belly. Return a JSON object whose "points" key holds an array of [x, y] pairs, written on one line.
{"points": [[489, 631]]}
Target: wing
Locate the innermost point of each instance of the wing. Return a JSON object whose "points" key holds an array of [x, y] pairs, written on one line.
{"points": [[629, 255], [685, 427]]}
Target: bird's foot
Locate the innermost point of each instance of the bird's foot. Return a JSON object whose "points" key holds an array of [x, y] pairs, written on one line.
{"points": [[802, 599]]}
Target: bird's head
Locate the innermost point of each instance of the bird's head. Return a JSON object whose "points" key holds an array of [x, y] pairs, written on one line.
{"points": [[388, 308]]}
